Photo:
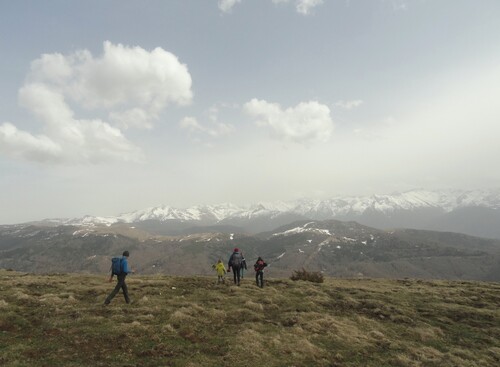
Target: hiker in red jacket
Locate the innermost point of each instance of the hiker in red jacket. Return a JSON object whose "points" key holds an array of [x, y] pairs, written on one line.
{"points": [[259, 272]]}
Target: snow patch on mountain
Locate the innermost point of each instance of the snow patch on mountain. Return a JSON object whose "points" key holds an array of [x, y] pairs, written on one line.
{"points": [[303, 229]]}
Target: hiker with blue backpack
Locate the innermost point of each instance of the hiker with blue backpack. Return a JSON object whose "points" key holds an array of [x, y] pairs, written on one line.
{"points": [[119, 267], [236, 262]]}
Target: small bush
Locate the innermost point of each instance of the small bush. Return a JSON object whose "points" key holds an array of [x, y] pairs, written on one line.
{"points": [[310, 276]]}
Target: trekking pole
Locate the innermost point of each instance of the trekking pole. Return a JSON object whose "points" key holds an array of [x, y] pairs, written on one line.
{"points": [[275, 259]]}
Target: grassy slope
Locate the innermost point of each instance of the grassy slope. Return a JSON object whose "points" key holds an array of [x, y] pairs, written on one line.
{"points": [[59, 320]]}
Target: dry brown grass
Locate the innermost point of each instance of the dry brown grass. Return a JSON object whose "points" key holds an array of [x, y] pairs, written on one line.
{"points": [[59, 320]]}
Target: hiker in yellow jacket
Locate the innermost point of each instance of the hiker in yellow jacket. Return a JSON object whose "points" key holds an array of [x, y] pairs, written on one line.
{"points": [[221, 271]]}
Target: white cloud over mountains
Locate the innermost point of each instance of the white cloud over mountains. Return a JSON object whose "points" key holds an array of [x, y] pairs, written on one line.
{"points": [[128, 86], [308, 122]]}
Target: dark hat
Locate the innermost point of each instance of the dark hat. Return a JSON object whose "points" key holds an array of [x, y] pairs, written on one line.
{"points": [[126, 253], [236, 249]]}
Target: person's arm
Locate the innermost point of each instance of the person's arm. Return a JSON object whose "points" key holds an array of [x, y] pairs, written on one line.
{"points": [[110, 273]]}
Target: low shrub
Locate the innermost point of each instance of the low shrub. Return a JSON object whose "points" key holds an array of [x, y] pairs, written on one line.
{"points": [[310, 276]]}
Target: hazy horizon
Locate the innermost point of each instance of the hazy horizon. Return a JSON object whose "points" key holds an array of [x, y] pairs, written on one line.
{"points": [[110, 107]]}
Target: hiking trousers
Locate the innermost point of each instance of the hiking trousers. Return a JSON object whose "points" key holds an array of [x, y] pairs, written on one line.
{"points": [[236, 274], [259, 275], [119, 284]]}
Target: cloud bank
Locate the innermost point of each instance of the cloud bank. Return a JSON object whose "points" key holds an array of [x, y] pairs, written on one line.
{"points": [[128, 85]]}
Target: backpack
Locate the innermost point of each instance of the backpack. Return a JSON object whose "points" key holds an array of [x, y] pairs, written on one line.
{"points": [[116, 265], [237, 259]]}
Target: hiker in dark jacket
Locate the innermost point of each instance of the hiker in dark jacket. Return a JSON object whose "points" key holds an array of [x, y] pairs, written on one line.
{"points": [[236, 262], [259, 272], [121, 280]]}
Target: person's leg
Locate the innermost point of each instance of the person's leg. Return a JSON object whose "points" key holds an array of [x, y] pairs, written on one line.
{"points": [[238, 275], [114, 292], [125, 290], [257, 278], [262, 279], [235, 270]]}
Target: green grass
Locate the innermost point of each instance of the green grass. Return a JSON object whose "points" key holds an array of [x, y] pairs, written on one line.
{"points": [[60, 320]]}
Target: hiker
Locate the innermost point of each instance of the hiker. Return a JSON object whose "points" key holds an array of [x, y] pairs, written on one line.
{"points": [[259, 272], [235, 262], [243, 266], [123, 271], [221, 271]]}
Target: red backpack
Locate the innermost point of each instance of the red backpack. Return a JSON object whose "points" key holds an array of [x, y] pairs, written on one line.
{"points": [[259, 265]]}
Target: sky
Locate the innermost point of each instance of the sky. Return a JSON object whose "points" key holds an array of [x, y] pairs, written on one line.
{"points": [[112, 106]]}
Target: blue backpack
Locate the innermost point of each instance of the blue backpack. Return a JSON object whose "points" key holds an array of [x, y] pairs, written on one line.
{"points": [[116, 265]]}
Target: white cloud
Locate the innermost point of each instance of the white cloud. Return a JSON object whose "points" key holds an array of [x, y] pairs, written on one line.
{"points": [[349, 105], [135, 117], [80, 140], [51, 68], [305, 6], [302, 6], [213, 128], [128, 84], [24, 145], [397, 5], [191, 124], [127, 75], [305, 123], [122, 79], [226, 5]]}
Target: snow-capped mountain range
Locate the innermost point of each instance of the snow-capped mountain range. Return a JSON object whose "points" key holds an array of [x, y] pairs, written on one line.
{"points": [[368, 210]]}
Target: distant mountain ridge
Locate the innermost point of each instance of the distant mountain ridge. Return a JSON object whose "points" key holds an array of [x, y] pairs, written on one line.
{"points": [[447, 210]]}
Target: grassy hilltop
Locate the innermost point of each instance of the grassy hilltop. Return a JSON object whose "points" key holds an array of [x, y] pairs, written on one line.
{"points": [[59, 320]]}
